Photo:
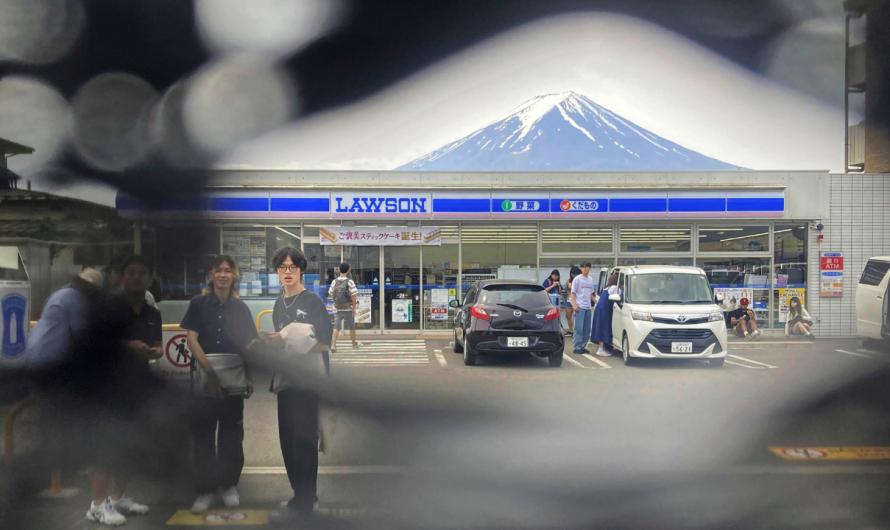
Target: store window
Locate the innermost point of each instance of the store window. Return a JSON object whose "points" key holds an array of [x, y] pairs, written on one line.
{"points": [[733, 239], [654, 260], [490, 252], [185, 259], [440, 285], [737, 278], [656, 239], [565, 239], [321, 269], [364, 270], [789, 267]]}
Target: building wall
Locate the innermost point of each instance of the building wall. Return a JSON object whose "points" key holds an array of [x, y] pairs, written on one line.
{"points": [[859, 226]]}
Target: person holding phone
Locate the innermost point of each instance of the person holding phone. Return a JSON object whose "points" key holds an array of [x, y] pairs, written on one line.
{"points": [[744, 321], [217, 321]]}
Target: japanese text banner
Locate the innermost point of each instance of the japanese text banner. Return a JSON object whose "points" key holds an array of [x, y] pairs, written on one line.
{"points": [[380, 236]]}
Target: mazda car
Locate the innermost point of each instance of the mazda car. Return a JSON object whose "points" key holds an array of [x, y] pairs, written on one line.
{"points": [[507, 316]]}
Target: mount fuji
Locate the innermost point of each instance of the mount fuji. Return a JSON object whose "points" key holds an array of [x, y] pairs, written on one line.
{"points": [[564, 132]]}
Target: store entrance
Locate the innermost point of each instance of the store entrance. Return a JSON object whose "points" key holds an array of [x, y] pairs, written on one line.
{"points": [[401, 288]]}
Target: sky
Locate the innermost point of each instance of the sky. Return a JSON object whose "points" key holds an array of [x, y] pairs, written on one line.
{"points": [[653, 77]]}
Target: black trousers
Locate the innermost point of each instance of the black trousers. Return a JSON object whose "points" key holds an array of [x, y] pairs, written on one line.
{"points": [[218, 431], [298, 434]]}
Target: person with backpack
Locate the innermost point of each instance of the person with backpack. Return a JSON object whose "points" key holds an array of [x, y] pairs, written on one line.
{"points": [[344, 294]]}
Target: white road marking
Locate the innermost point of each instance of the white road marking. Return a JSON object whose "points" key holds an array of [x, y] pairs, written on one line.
{"points": [[597, 361], [868, 352], [745, 366], [382, 354], [751, 361], [856, 354], [326, 470], [440, 358], [576, 363]]}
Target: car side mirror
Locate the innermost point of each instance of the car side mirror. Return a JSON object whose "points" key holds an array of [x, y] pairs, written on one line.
{"points": [[454, 303], [718, 297], [615, 297]]}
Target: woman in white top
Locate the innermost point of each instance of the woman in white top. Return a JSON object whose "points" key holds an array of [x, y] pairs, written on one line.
{"points": [[798, 321]]}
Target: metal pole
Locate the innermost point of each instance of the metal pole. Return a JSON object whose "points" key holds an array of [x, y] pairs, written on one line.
{"points": [[846, 93]]}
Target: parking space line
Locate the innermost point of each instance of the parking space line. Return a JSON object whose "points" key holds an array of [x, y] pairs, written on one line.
{"points": [[751, 361], [440, 358], [745, 366], [597, 361], [567, 357], [862, 355]]}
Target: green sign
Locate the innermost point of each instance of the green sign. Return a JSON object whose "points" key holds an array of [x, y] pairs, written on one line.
{"points": [[507, 205]]}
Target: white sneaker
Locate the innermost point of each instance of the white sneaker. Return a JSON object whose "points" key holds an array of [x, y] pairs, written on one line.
{"points": [[757, 335], [603, 353], [231, 498], [748, 336], [127, 506], [106, 514], [203, 502]]}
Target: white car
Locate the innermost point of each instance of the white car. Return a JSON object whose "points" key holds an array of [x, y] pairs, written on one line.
{"points": [[667, 312], [872, 298]]}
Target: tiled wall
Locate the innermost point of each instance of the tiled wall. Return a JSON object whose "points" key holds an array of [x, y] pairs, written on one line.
{"points": [[859, 226]]}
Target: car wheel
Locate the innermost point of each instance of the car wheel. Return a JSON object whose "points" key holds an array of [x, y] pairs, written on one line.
{"points": [[625, 352], [556, 359], [469, 356], [716, 363], [455, 347]]}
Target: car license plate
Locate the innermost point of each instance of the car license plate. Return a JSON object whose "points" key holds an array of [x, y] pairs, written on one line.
{"points": [[681, 347], [517, 342]]}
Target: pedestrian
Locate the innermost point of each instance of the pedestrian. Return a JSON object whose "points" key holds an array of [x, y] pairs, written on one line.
{"points": [[569, 308], [582, 292], [218, 322], [553, 287], [141, 333], [744, 321], [602, 317], [344, 294], [798, 321], [298, 407]]}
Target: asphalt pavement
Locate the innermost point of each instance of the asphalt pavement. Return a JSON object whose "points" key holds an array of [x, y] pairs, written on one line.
{"points": [[415, 438]]}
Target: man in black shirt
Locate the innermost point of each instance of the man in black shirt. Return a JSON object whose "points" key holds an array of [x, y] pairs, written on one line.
{"points": [[141, 325], [744, 321], [298, 407]]}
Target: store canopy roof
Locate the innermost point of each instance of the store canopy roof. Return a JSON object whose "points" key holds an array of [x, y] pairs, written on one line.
{"points": [[11, 148]]}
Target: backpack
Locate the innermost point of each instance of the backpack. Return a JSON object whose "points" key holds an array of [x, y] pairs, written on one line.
{"points": [[340, 295]]}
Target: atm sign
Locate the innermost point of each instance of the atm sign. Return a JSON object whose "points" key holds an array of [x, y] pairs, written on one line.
{"points": [[832, 261]]}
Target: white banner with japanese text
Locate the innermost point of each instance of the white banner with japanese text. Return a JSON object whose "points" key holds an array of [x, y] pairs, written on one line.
{"points": [[380, 236]]}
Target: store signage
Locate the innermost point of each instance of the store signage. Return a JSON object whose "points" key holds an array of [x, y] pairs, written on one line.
{"points": [[473, 205], [380, 236], [380, 205], [832, 274], [439, 304], [785, 296], [15, 320]]}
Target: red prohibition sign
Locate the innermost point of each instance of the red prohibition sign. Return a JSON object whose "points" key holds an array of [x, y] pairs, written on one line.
{"points": [[177, 351]]}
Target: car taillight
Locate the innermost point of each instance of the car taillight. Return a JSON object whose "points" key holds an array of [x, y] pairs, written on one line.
{"points": [[478, 312], [552, 314]]}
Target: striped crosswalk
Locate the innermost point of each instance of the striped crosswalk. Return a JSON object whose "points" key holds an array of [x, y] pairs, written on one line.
{"points": [[382, 354]]}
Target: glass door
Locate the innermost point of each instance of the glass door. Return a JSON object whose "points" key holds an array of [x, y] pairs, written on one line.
{"points": [[364, 270], [401, 288]]}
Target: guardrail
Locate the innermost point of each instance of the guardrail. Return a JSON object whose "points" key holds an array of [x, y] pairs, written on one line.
{"points": [[258, 317]]}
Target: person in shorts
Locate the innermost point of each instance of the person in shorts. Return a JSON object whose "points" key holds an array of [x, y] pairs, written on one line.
{"points": [[744, 322], [344, 294]]}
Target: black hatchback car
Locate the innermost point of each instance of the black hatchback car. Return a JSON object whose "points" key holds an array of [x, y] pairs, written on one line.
{"points": [[507, 316]]}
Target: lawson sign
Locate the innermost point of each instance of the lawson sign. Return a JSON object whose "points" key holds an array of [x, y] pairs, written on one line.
{"points": [[294, 204]]}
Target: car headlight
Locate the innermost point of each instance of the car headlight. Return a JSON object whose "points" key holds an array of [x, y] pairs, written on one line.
{"points": [[638, 315], [715, 317]]}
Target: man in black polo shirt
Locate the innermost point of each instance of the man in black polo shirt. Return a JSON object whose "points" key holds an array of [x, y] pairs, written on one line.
{"points": [[141, 333]]}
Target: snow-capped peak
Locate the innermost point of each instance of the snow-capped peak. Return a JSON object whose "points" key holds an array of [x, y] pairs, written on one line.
{"points": [[564, 131]]}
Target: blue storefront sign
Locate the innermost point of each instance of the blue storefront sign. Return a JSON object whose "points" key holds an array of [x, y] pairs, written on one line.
{"points": [[471, 205]]}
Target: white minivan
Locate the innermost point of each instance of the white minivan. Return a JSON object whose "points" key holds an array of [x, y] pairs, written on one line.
{"points": [[667, 312], [872, 297]]}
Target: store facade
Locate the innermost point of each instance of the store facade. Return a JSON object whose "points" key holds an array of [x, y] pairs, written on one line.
{"points": [[415, 247]]}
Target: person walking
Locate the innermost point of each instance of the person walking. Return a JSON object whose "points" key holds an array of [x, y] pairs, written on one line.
{"points": [[217, 321], [744, 321], [582, 291], [298, 407], [141, 335], [344, 294], [569, 308], [602, 317], [798, 321]]}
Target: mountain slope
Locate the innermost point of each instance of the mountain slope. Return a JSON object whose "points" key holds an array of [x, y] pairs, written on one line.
{"points": [[564, 132]]}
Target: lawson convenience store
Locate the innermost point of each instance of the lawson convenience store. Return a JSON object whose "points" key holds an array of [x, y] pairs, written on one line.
{"points": [[416, 241]]}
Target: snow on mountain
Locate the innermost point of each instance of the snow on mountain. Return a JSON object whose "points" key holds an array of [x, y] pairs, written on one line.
{"points": [[564, 132]]}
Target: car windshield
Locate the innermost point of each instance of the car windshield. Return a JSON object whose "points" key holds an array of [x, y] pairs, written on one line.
{"points": [[522, 297], [669, 288]]}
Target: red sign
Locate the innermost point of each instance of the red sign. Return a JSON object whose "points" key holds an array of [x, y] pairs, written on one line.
{"points": [[177, 351], [832, 263], [439, 310]]}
